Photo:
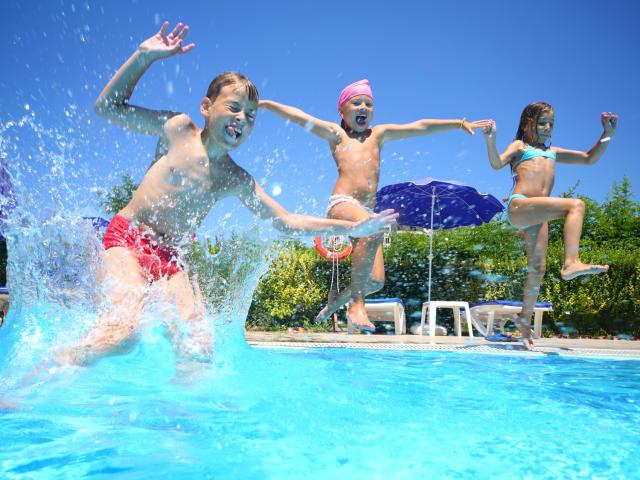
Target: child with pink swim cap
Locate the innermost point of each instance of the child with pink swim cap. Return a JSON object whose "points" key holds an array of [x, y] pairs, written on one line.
{"points": [[355, 147]]}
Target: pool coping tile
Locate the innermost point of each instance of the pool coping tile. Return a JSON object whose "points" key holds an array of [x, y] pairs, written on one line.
{"points": [[548, 346]]}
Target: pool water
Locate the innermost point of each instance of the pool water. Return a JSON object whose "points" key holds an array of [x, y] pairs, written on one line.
{"points": [[327, 413]]}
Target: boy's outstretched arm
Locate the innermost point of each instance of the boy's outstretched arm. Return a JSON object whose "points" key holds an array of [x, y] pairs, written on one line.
{"points": [[328, 131], [262, 205], [496, 159], [113, 101], [427, 127], [609, 124]]}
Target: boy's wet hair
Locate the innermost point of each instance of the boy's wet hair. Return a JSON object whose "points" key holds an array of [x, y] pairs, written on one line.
{"points": [[231, 78], [527, 131]]}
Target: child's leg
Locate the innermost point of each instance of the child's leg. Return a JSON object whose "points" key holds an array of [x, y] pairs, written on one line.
{"points": [[123, 288], [189, 329], [362, 266], [374, 283], [536, 210], [536, 241], [363, 257]]}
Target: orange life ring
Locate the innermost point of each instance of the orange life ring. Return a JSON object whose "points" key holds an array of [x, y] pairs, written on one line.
{"points": [[334, 253]]}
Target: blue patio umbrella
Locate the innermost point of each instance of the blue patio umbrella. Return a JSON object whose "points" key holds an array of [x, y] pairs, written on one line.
{"points": [[437, 205]]}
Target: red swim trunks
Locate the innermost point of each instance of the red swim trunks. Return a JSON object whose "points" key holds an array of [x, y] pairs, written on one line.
{"points": [[156, 260]]}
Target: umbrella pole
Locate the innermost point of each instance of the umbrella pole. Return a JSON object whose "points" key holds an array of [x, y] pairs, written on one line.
{"points": [[433, 201]]}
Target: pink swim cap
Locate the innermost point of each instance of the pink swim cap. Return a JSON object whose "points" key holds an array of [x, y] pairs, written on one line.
{"points": [[361, 87]]}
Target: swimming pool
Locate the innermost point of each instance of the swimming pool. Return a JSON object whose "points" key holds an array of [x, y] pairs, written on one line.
{"points": [[328, 413]]}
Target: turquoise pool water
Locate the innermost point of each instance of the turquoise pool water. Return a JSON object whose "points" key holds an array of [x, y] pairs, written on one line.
{"points": [[327, 413]]}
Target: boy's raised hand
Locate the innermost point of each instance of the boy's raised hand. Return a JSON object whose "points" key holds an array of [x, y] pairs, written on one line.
{"points": [[375, 224], [609, 123], [163, 45]]}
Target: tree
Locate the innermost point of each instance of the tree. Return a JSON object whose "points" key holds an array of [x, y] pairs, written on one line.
{"points": [[119, 196], [620, 216]]}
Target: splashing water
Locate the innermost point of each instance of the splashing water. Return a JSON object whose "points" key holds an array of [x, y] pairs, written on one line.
{"points": [[56, 258]]}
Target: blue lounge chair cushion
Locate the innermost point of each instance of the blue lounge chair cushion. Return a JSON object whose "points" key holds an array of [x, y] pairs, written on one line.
{"points": [[500, 337], [510, 303], [383, 300]]}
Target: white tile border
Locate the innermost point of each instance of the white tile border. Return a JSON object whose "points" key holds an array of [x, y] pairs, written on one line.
{"points": [[496, 349]]}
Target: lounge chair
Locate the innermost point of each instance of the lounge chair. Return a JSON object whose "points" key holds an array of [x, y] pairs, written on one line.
{"points": [[485, 314], [385, 310]]}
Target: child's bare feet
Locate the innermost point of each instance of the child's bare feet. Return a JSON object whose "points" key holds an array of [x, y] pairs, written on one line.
{"points": [[358, 318], [330, 308], [524, 326], [573, 270], [323, 314], [527, 343]]}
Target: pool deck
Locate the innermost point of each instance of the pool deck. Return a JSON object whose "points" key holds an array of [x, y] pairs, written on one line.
{"points": [[543, 346]]}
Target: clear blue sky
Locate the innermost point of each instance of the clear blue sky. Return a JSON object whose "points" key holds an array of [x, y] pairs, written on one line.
{"points": [[424, 60]]}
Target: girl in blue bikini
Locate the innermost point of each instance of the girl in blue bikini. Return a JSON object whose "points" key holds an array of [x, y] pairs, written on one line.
{"points": [[530, 207]]}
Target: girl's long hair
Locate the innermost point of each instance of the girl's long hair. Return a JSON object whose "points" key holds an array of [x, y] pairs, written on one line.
{"points": [[528, 120]]}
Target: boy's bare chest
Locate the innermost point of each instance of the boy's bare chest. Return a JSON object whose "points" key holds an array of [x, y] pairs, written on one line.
{"points": [[190, 168]]}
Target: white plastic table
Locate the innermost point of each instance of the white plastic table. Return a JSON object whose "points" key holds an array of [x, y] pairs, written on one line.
{"points": [[433, 306]]}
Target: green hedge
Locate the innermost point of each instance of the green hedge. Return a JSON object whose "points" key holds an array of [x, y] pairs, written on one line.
{"points": [[484, 263], [294, 289], [602, 305], [481, 263]]}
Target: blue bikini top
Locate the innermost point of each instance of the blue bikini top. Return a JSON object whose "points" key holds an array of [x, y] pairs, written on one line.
{"points": [[533, 152]]}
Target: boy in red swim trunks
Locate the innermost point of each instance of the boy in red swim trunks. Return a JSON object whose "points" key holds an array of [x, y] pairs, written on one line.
{"points": [[192, 171]]}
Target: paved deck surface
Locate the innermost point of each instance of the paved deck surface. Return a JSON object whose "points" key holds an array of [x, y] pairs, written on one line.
{"points": [[545, 346]]}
